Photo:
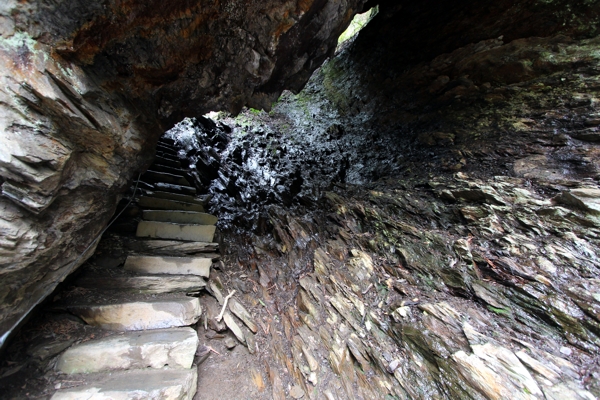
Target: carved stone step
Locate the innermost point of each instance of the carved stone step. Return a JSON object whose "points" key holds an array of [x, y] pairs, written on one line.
{"points": [[140, 315], [155, 176], [163, 384], [169, 265], [167, 149], [173, 347], [166, 204], [143, 284], [167, 161], [178, 197], [167, 230], [168, 169], [163, 155], [168, 247], [167, 187], [180, 217], [144, 185], [166, 141]]}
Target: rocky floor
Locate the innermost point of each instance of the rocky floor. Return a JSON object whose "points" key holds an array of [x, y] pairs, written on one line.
{"points": [[375, 296]]}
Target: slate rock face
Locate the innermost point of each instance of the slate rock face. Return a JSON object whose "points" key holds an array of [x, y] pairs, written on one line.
{"points": [[86, 88]]}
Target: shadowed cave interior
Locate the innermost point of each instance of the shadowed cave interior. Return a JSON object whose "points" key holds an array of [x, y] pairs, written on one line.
{"points": [[408, 209]]}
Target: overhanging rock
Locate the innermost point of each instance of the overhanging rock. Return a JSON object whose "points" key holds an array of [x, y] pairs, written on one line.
{"points": [[86, 88]]}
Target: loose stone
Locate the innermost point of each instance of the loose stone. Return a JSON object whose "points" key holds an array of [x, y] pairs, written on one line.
{"points": [[296, 392], [230, 343]]}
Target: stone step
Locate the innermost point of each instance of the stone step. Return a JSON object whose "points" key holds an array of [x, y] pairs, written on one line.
{"points": [[140, 315], [167, 156], [144, 185], [167, 149], [167, 187], [173, 347], [166, 141], [168, 169], [166, 204], [155, 177], [169, 265], [167, 161], [168, 247], [152, 384], [180, 217], [168, 230], [186, 198], [143, 284]]}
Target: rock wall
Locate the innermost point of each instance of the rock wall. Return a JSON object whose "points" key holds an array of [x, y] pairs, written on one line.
{"points": [[493, 112], [442, 84], [86, 88], [453, 253]]}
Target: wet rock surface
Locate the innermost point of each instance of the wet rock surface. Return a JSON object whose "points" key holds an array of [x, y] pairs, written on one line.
{"points": [[375, 296], [454, 255]]}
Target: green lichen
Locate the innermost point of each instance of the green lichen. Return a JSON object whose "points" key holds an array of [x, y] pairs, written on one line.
{"points": [[358, 22], [18, 41], [499, 311], [331, 75]]}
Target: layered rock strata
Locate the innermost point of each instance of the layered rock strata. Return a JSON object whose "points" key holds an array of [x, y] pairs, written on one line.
{"points": [[87, 88]]}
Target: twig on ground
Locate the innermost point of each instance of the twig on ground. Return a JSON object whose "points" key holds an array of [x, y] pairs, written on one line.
{"points": [[220, 316], [213, 350]]}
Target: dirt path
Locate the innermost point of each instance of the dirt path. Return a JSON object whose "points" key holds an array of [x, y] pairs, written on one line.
{"points": [[230, 373]]}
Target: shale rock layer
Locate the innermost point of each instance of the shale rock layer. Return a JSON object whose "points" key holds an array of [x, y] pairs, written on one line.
{"points": [[87, 88]]}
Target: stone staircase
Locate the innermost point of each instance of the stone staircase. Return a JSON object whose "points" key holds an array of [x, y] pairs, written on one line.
{"points": [[145, 302]]}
